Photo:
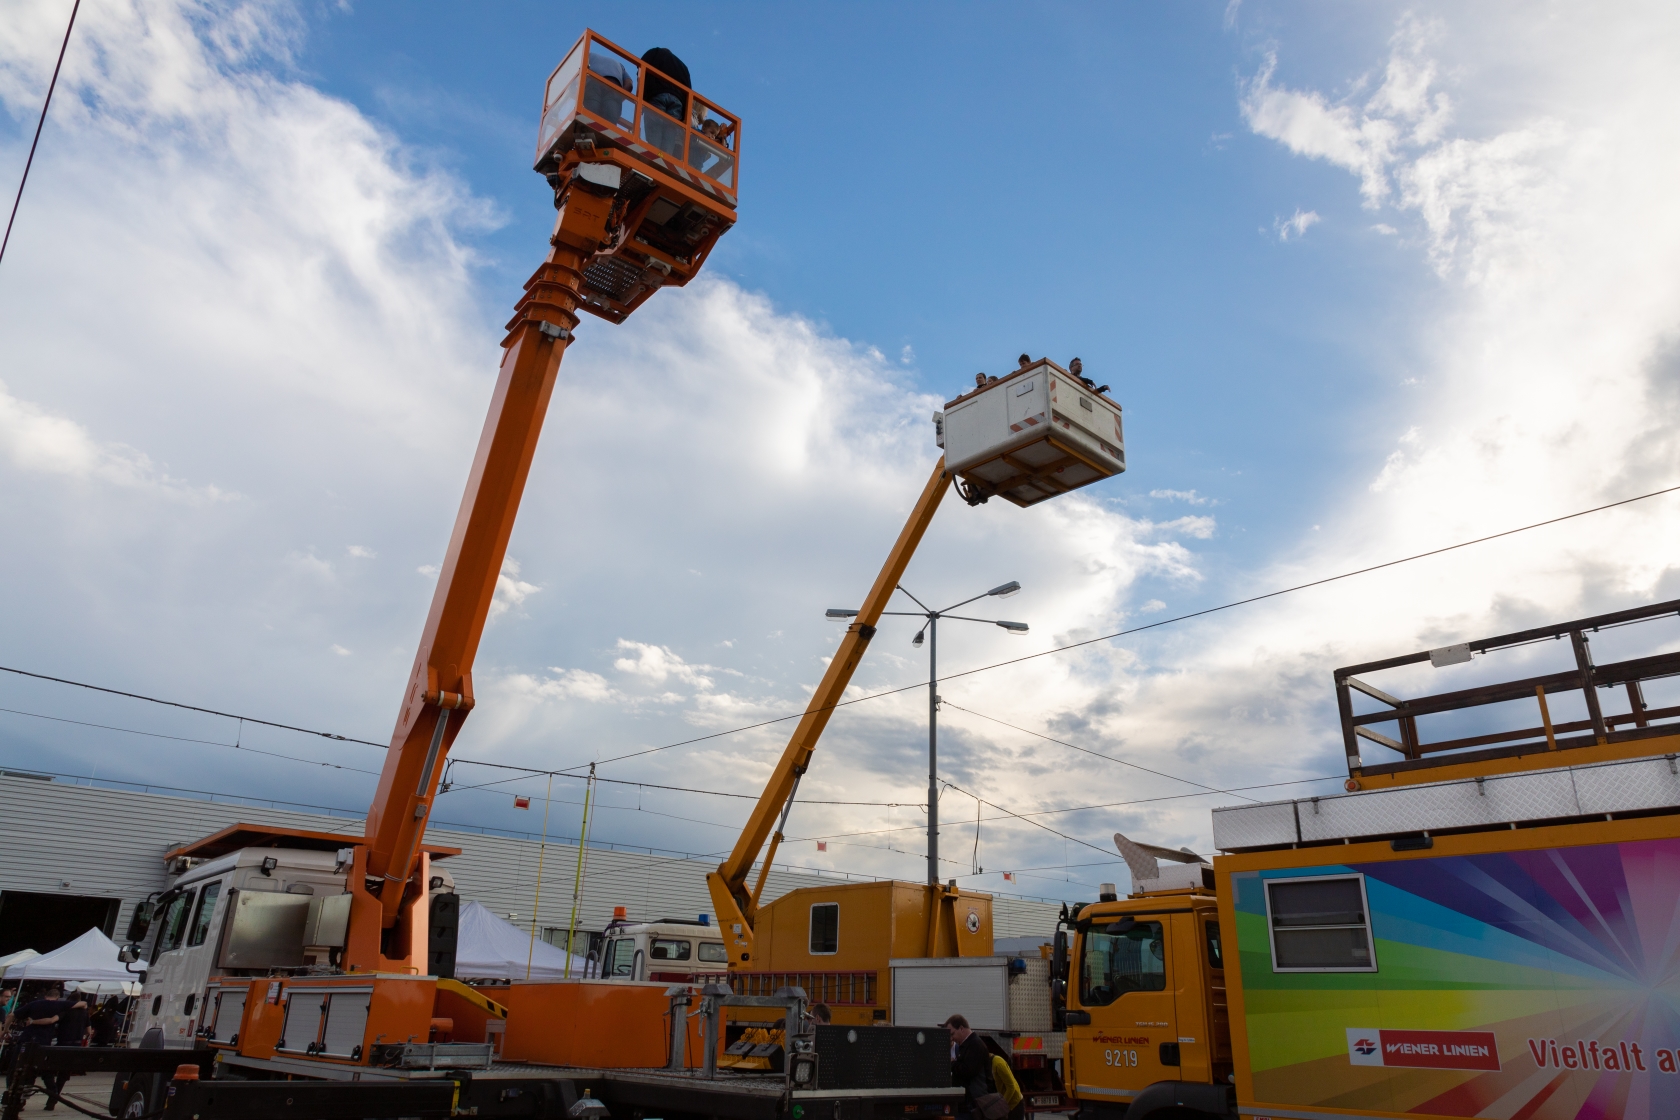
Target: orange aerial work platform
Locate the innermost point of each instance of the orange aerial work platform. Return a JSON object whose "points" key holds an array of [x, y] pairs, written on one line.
{"points": [[660, 178], [644, 173]]}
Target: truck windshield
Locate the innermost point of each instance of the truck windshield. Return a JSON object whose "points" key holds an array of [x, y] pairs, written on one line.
{"points": [[620, 957], [1113, 964]]}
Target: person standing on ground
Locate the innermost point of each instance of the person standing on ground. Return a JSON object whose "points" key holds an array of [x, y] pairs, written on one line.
{"points": [[73, 1022], [72, 1030], [971, 1062], [38, 1021], [1008, 1088], [106, 1022]]}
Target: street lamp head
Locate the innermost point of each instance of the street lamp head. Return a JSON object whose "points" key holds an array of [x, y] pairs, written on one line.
{"points": [[917, 640], [1006, 590], [837, 612], [1014, 627]]}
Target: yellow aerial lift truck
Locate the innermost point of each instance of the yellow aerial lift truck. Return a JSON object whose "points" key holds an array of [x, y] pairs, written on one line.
{"points": [[1486, 925], [1039, 432]]}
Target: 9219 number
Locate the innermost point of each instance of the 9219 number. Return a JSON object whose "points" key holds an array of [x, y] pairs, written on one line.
{"points": [[1120, 1057]]}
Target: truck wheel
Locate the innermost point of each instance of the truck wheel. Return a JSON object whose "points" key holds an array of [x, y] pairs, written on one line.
{"points": [[136, 1106]]}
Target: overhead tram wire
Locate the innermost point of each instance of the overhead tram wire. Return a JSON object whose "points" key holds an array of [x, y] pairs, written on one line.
{"points": [[532, 772], [39, 125], [1018, 816], [1092, 753], [187, 739], [1007, 814], [1157, 624], [352, 818], [909, 687], [194, 708]]}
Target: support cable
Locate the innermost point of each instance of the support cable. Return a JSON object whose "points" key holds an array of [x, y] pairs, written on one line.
{"points": [[30, 162]]}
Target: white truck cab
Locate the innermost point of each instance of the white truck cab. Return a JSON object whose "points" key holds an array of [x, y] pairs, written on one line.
{"points": [[670, 949], [273, 891]]}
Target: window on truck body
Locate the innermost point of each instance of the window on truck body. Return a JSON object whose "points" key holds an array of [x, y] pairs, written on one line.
{"points": [[201, 916], [670, 949], [825, 928], [1112, 964], [1216, 953], [1320, 924], [174, 924]]}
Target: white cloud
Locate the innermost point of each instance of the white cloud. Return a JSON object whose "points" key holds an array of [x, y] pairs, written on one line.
{"points": [[1200, 528], [1187, 496], [340, 650], [41, 443], [774, 457], [659, 664], [511, 591], [1297, 225], [361, 552]]}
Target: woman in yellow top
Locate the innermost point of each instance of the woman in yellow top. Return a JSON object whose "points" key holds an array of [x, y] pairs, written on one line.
{"points": [[1003, 1079]]}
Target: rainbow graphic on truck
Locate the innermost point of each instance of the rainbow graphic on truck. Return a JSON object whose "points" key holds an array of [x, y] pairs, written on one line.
{"points": [[1534, 984]]}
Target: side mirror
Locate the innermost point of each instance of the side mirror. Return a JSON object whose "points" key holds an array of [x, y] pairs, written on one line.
{"points": [[1076, 1018], [1059, 956], [128, 954], [140, 923]]}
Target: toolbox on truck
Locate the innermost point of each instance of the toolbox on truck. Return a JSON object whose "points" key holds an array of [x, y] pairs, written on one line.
{"points": [[1029, 436], [998, 993]]}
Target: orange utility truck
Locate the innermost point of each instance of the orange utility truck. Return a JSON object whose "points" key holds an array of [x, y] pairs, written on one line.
{"points": [[1482, 925]]}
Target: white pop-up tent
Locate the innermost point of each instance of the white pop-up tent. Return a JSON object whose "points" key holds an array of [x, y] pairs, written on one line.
{"points": [[18, 957], [91, 957], [487, 948]]}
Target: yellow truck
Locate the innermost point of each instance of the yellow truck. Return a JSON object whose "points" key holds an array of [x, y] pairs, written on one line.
{"points": [[1486, 925]]}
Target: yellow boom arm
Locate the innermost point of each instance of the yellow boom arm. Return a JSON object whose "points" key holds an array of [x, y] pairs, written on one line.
{"points": [[737, 907]]}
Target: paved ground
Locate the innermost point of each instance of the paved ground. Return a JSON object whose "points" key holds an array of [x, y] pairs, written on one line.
{"points": [[92, 1092]]}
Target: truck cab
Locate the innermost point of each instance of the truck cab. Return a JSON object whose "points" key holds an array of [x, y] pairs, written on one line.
{"points": [[1145, 1016], [670, 949], [184, 940]]}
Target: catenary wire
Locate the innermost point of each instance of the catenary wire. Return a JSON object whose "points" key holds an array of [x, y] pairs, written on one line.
{"points": [[185, 739], [1092, 753], [1162, 622], [1008, 814], [532, 772], [193, 707], [919, 684], [40, 124], [1036, 824], [353, 820]]}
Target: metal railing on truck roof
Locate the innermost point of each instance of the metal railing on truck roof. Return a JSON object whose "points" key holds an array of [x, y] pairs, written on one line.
{"points": [[1590, 680]]}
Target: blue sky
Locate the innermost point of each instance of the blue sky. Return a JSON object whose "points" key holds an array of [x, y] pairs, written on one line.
{"points": [[973, 181], [1366, 279]]}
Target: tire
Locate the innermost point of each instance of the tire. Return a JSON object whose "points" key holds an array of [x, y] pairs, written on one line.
{"points": [[136, 1106]]}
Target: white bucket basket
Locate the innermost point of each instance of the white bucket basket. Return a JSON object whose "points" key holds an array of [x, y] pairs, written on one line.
{"points": [[1032, 435]]}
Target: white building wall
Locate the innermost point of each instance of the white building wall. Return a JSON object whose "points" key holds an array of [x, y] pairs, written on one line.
{"points": [[57, 837]]}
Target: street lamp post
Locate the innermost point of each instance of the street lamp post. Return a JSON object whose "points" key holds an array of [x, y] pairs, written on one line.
{"points": [[930, 631]]}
